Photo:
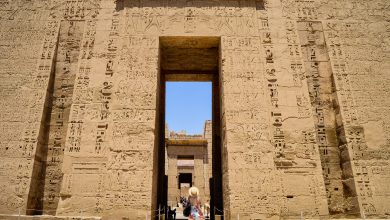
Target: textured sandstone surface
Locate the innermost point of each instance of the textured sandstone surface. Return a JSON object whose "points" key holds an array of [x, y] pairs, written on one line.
{"points": [[303, 87]]}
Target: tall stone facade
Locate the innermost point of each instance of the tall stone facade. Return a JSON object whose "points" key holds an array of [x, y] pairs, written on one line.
{"points": [[303, 91]]}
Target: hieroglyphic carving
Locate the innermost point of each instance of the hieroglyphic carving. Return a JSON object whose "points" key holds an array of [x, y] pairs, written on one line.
{"points": [[121, 101], [354, 138], [66, 63], [308, 142], [75, 9], [241, 75], [356, 141], [296, 64], [320, 85], [31, 146], [81, 90], [306, 9], [342, 82], [106, 89], [278, 138]]}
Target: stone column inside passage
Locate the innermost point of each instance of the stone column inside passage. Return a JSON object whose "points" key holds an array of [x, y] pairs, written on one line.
{"points": [[172, 179]]}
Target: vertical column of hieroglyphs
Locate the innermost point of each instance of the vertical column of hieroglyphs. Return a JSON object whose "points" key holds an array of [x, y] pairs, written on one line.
{"points": [[133, 112], [64, 76], [278, 138], [105, 82], [88, 137], [320, 84], [66, 68], [296, 152], [321, 103], [359, 48], [82, 174], [46, 68], [81, 92], [295, 155], [286, 152], [347, 115], [276, 130], [361, 84], [26, 52]]}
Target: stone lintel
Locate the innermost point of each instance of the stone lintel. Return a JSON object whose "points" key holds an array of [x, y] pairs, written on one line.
{"points": [[190, 143]]}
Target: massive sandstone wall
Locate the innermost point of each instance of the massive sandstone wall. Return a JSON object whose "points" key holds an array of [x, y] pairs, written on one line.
{"points": [[304, 89]]}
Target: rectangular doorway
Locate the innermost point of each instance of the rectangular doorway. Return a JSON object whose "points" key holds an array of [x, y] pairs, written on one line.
{"points": [[189, 59], [185, 180]]}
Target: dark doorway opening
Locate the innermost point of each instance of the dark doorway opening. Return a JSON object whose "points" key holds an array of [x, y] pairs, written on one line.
{"points": [[185, 178], [189, 59]]}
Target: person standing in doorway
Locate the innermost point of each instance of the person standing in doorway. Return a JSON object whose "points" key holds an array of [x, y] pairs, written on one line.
{"points": [[194, 200]]}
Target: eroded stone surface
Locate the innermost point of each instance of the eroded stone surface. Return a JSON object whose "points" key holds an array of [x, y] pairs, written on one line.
{"points": [[304, 89]]}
